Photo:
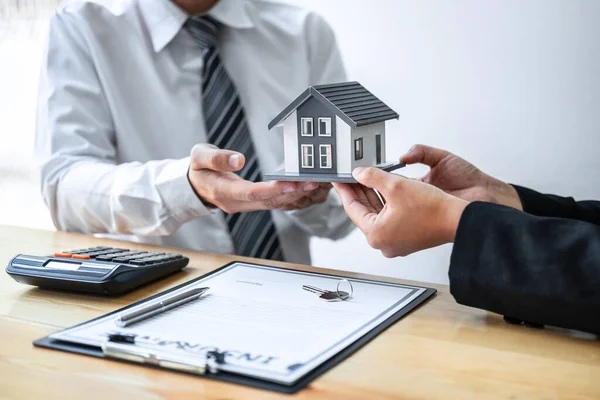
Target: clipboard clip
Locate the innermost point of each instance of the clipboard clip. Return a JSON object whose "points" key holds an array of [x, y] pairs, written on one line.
{"points": [[124, 347]]}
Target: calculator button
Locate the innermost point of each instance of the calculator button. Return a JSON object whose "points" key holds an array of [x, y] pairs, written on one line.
{"points": [[130, 253], [106, 257], [81, 256], [137, 262], [100, 253], [133, 257], [136, 257], [65, 255], [115, 255], [121, 259], [84, 251]]}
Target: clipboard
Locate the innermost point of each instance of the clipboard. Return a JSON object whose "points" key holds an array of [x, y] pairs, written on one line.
{"points": [[304, 381]]}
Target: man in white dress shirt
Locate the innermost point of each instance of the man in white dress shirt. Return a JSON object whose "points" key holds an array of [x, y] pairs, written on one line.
{"points": [[125, 99]]}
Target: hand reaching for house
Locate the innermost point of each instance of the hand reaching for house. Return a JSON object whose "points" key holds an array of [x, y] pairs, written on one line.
{"points": [[416, 215], [423, 213], [460, 178], [212, 177]]}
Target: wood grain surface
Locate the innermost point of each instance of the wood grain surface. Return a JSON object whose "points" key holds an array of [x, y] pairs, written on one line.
{"points": [[440, 351]]}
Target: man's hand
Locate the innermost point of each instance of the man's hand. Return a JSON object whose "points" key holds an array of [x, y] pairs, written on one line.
{"points": [[212, 176], [316, 194], [460, 178], [416, 215]]}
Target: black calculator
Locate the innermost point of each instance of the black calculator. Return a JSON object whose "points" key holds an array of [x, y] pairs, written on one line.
{"points": [[102, 270]]}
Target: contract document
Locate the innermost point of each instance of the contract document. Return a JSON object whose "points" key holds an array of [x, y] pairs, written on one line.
{"points": [[260, 318]]}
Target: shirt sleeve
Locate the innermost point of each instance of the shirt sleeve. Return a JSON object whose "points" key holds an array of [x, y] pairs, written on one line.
{"points": [[547, 205], [540, 270], [82, 184], [328, 220]]}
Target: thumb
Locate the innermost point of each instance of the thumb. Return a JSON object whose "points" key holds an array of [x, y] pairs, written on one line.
{"points": [[374, 178], [207, 156], [424, 155]]}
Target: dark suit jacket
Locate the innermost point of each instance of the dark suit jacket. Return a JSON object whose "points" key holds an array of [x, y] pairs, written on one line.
{"points": [[541, 266]]}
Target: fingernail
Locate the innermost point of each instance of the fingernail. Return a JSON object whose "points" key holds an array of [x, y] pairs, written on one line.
{"points": [[310, 186], [357, 171], [289, 189], [408, 153], [234, 160]]}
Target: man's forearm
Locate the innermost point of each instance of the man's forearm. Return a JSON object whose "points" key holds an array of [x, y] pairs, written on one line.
{"points": [[154, 198]]}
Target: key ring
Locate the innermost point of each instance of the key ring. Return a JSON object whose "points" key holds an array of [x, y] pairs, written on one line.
{"points": [[344, 294]]}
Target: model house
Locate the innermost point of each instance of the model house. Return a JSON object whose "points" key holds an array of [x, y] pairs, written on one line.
{"points": [[331, 129]]}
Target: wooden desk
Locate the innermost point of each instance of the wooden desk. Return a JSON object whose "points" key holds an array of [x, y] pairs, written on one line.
{"points": [[440, 351]]}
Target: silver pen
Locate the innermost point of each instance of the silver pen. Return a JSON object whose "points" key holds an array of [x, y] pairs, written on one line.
{"points": [[159, 306]]}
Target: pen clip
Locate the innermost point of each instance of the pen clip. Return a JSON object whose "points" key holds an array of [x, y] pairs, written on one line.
{"points": [[133, 352]]}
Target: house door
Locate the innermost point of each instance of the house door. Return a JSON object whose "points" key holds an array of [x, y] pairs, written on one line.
{"points": [[378, 148]]}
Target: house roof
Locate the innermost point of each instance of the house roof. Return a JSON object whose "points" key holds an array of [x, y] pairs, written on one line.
{"points": [[350, 101]]}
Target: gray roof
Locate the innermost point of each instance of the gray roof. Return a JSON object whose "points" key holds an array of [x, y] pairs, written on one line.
{"points": [[354, 104]]}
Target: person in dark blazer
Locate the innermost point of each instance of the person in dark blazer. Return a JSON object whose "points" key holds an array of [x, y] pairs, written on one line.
{"points": [[532, 257]]}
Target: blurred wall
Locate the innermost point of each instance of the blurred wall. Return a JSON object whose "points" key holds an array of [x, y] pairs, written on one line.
{"points": [[511, 85], [22, 27]]}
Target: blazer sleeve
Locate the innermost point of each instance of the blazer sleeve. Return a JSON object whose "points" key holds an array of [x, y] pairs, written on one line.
{"points": [[542, 270], [547, 205]]}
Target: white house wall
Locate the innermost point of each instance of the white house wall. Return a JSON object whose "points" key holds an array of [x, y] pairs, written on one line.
{"points": [[290, 143], [368, 133], [344, 146]]}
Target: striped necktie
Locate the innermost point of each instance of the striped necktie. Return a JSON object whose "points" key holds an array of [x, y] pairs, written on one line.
{"points": [[253, 233]]}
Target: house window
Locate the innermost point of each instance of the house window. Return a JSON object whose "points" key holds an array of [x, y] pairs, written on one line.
{"points": [[325, 155], [307, 126], [358, 149], [324, 126], [308, 158]]}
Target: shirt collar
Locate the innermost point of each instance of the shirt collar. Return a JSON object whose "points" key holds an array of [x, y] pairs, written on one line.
{"points": [[164, 19]]}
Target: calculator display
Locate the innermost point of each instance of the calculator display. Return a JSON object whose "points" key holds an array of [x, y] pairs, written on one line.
{"points": [[62, 265]]}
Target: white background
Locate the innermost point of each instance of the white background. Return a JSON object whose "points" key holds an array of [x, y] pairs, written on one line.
{"points": [[511, 85]]}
